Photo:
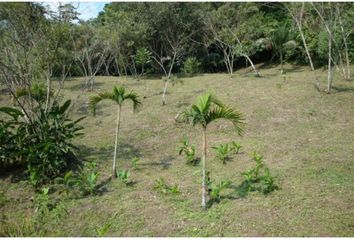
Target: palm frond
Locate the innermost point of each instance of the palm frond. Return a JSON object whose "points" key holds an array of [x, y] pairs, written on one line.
{"points": [[134, 97], [94, 100], [229, 114]]}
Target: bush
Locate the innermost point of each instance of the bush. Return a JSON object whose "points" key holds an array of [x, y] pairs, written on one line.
{"points": [[191, 66], [43, 144]]}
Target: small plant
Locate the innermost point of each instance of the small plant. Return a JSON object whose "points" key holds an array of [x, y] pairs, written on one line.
{"points": [[189, 151], [161, 187], [259, 177], [67, 182], [102, 231], [124, 175], [134, 162], [235, 147], [223, 152], [191, 66], [87, 180], [41, 202], [216, 190]]}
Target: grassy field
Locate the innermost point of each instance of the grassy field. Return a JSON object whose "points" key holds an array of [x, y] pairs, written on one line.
{"points": [[306, 138]]}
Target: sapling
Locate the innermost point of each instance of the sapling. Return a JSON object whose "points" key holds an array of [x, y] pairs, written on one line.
{"points": [[235, 147], [223, 152], [189, 152]]}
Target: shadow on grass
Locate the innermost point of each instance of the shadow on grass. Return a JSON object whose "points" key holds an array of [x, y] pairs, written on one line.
{"points": [[239, 191], [126, 151], [164, 163], [343, 89], [81, 86]]}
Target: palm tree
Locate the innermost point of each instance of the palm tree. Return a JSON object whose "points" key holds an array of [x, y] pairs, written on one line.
{"points": [[119, 95], [279, 39], [208, 109]]}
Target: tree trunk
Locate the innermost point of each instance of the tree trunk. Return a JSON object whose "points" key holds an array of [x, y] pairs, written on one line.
{"points": [[114, 173], [329, 77], [248, 59], [203, 170], [164, 93], [281, 63]]}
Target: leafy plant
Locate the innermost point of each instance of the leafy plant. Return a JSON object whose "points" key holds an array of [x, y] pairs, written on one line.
{"points": [[216, 190], [223, 152], [189, 151], [208, 109], [124, 175], [162, 187], [87, 180], [119, 96], [68, 181], [41, 202], [235, 147], [259, 177], [134, 162], [43, 142], [191, 66]]}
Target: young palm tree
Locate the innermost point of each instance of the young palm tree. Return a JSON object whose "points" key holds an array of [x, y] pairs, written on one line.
{"points": [[208, 109], [119, 96]]}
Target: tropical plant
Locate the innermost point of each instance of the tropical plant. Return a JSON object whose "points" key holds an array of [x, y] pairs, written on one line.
{"points": [[87, 180], [68, 181], [162, 187], [191, 66], [43, 142], [223, 152], [281, 42], [235, 147], [124, 175], [208, 109], [216, 190], [189, 151], [119, 96], [259, 177], [134, 162]]}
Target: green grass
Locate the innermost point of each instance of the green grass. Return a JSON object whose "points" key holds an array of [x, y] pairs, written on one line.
{"points": [[306, 138]]}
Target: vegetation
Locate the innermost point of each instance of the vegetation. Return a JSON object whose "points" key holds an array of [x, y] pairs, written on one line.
{"points": [[119, 95], [54, 177], [208, 109]]}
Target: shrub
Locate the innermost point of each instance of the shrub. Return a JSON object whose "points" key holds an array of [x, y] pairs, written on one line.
{"points": [[44, 143], [191, 66]]}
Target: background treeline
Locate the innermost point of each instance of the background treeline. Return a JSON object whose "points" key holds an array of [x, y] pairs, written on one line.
{"points": [[166, 38]]}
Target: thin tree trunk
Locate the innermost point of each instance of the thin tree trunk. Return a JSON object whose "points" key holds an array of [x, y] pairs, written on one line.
{"points": [[329, 77], [114, 172], [203, 170], [164, 93], [248, 59], [281, 63]]}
